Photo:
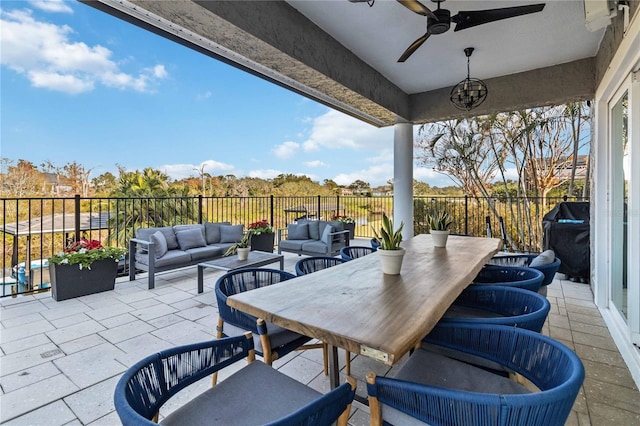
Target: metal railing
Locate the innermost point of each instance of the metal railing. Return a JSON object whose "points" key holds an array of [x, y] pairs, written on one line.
{"points": [[33, 229]]}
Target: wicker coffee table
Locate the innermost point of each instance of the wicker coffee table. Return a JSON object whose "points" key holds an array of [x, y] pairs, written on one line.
{"points": [[231, 263]]}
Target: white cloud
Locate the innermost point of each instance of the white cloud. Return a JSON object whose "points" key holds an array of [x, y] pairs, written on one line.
{"points": [[335, 130], [316, 163], [56, 6], [181, 171], [264, 174], [205, 95], [375, 175], [44, 54], [286, 149]]}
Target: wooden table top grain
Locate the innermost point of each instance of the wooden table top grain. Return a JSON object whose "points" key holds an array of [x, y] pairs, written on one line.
{"points": [[356, 307]]}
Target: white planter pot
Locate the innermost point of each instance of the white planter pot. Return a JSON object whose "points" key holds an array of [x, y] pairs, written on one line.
{"points": [[391, 261], [439, 238], [243, 253]]}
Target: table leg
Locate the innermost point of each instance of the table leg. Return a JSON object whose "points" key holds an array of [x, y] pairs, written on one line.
{"points": [[334, 370], [200, 279], [282, 263]]}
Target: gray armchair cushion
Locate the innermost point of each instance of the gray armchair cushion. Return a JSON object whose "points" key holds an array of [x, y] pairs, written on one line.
{"points": [[229, 402], [295, 245], [190, 238], [212, 231], [169, 235], [160, 242], [326, 235], [544, 258], [298, 231], [231, 233], [314, 246]]}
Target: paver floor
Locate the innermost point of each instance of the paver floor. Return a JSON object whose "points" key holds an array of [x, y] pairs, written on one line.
{"points": [[59, 361]]}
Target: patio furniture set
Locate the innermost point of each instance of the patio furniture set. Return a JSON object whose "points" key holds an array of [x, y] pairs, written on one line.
{"points": [[476, 353]]}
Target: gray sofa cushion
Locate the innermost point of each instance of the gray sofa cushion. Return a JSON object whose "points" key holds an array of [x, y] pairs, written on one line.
{"points": [[160, 242], [169, 235], [206, 252], [314, 246], [295, 245], [298, 231], [314, 228], [544, 258], [231, 233], [173, 257], [326, 235], [212, 231], [229, 402], [189, 238]]}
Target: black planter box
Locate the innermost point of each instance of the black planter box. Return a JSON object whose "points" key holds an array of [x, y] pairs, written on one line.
{"points": [[262, 242], [69, 281], [351, 227]]}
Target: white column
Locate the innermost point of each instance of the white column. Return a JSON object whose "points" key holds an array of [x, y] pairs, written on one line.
{"points": [[403, 178]]}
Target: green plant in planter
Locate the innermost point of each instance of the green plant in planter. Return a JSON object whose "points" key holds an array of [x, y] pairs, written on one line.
{"points": [[84, 252], [243, 243], [388, 238], [441, 221]]}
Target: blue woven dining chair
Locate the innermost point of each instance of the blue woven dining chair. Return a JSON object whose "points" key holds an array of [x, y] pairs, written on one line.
{"points": [[354, 252], [438, 390], [145, 387], [316, 263], [499, 305], [512, 276], [271, 342], [309, 265], [375, 244], [545, 262]]}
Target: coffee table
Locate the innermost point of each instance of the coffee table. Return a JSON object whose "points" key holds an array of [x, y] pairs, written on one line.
{"points": [[231, 263]]}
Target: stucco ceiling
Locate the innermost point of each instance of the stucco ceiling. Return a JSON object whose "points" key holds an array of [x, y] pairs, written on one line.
{"points": [[379, 35]]}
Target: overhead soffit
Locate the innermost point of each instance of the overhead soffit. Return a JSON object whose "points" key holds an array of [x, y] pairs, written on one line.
{"points": [[345, 54]]}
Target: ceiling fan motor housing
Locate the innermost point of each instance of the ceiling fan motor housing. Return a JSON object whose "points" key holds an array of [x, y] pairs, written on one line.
{"points": [[442, 24]]}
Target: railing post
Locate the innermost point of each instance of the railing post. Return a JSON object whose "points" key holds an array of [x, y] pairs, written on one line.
{"points": [[338, 205], [200, 208], [319, 211], [271, 210], [466, 215], [77, 216]]}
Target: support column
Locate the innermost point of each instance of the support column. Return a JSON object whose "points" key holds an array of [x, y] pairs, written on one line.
{"points": [[403, 178]]}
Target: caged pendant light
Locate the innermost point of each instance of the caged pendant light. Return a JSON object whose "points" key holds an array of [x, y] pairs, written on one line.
{"points": [[470, 92]]}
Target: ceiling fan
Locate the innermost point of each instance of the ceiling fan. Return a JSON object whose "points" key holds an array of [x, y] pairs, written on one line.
{"points": [[439, 20]]}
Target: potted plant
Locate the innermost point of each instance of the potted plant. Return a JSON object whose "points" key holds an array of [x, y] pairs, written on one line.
{"points": [[241, 247], [85, 267], [348, 222], [439, 224], [391, 254], [262, 236]]}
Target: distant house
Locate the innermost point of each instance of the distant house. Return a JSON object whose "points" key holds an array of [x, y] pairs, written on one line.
{"points": [[382, 191], [346, 191]]}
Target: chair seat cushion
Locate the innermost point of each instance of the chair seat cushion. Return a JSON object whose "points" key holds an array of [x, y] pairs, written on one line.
{"points": [[293, 244], [231, 403], [434, 369], [278, 336], [316, 247]]}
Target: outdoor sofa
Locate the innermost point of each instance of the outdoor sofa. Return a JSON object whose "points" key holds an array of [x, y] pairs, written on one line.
{"points": [[313, 238], [171, 247]]}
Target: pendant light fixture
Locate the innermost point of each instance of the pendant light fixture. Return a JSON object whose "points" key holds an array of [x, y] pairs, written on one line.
{"points": [[470, 92]]}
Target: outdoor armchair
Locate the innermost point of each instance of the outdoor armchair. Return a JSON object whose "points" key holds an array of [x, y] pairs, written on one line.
{"points": [[512, 276], [545, 262], [274, 398], [354, 252], [438, 390], [271, 342]]}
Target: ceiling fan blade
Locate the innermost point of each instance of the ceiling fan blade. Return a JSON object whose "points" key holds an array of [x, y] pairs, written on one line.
{"points": [[417, 7], [414, 46], [466, 20]]}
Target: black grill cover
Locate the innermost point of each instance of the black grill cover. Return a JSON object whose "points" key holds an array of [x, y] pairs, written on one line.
{"points": [[570, 241]]}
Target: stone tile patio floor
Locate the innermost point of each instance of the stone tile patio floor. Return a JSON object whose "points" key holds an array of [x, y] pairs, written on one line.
{"points": [[60, 361]]}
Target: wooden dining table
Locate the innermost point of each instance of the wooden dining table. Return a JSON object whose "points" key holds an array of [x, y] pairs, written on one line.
{"points": [[356, 307]]}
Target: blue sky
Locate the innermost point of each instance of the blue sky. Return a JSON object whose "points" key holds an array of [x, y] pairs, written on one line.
{"points": [[80, 85]]}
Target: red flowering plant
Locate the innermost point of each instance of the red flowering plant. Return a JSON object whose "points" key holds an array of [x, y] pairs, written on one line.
{"points": [[84, 252], [260, 227], [342, 218]]}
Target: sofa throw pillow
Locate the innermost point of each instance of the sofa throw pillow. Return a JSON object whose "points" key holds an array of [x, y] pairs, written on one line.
{"points": [[212, 231], [231, 233], [178, 228], [190, 238], [314, 229], [544, 258], [297, 231], [160, 242], [326, 235]]}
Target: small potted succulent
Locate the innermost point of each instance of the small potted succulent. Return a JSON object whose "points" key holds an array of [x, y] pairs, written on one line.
{"points": [[440, 222], [390, 252], [84, 267], [262, 236], [241, 247], [348, 222]]}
